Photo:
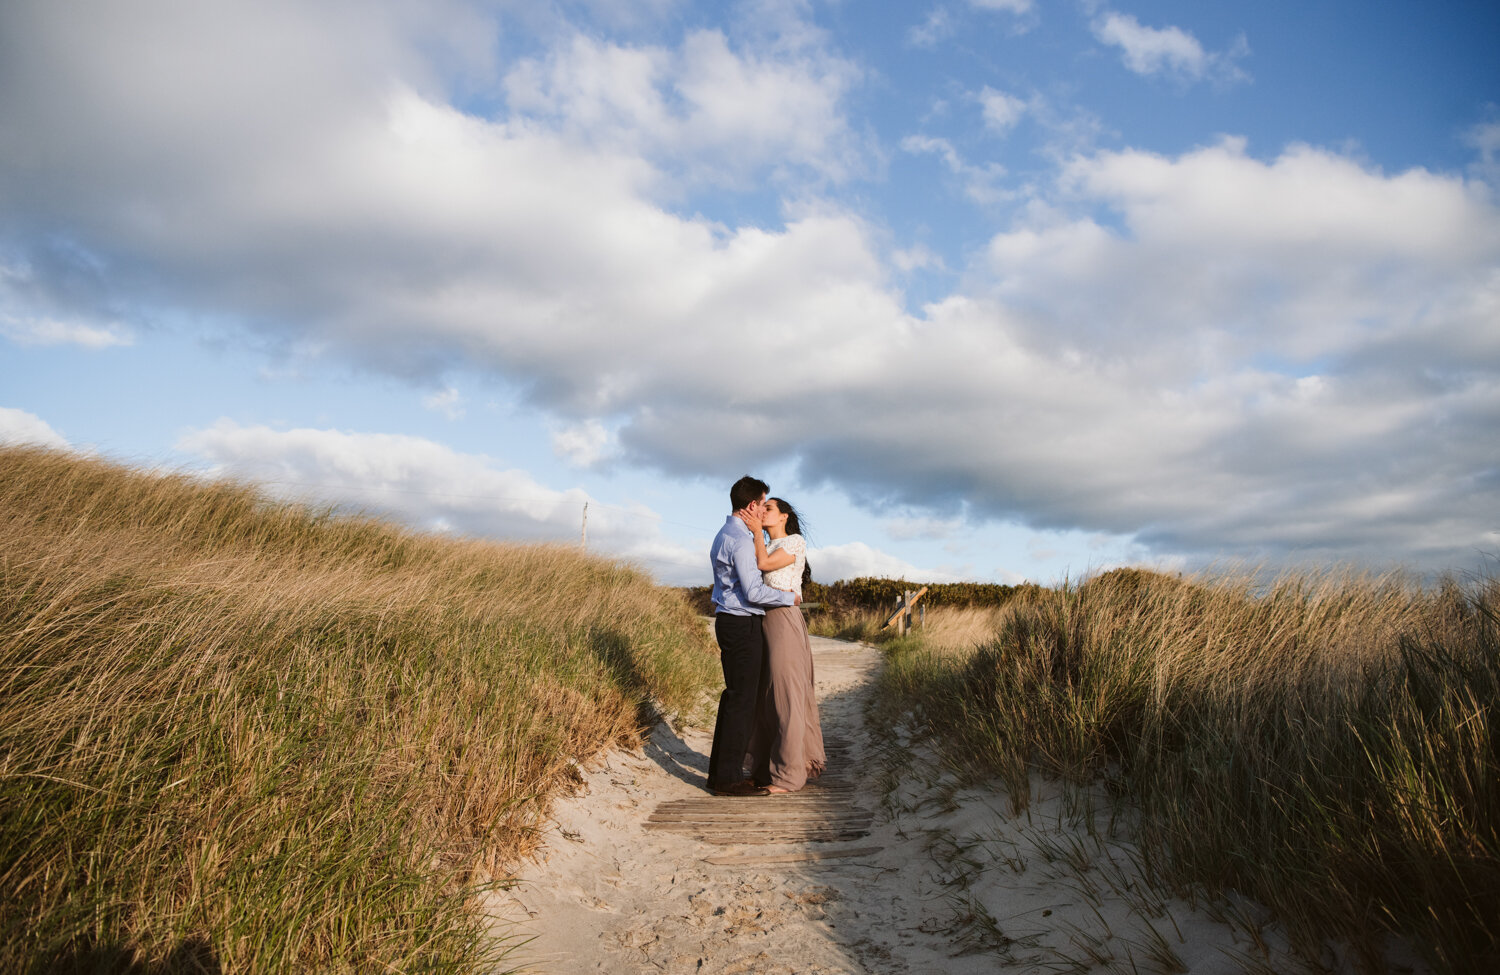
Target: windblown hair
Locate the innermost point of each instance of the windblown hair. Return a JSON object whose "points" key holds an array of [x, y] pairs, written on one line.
{"points": [[793, 523], [794, 527]]}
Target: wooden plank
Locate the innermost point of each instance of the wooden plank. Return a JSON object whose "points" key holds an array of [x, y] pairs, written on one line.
{"points": [[828, 836], [726, 803], [698, 825], [756, 825], [769, 830], [756, 815], [756, 805], [786, 817], [763, 803], [735, 861]]}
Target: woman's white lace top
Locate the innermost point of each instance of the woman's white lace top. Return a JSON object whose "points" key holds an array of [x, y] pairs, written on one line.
{"points": [[788, 576]]}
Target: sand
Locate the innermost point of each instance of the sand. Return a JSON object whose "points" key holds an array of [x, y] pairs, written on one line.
{"points": [[947, 880]]}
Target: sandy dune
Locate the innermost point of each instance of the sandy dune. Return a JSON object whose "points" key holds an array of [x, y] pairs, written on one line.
{"points": [[944, 881]]}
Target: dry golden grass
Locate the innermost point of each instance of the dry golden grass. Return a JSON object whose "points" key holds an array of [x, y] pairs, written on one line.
{"points": [[957, 629], [1329, 745], [267, 738], [944, 630]]}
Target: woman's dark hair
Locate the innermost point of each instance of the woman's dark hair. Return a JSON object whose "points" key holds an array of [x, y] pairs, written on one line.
{"points": [[794, 527], [793, 523]]}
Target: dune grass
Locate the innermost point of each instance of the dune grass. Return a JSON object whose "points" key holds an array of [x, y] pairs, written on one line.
{"points": [[949, 628], [1328, 745], [238, 735]]}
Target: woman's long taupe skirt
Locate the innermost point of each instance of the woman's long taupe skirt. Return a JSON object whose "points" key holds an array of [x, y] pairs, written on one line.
{"points": [[787, 747]]}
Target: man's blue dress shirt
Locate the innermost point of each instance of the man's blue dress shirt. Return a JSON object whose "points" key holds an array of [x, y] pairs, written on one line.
{"points": [[739, 588]]}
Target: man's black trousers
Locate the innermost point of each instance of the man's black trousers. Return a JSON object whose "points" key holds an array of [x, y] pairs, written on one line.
{"points": [[742, 654]]}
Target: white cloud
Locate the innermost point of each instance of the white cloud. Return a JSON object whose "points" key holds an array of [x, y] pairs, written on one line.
{"points": [[43, 323], [854, 559], [584, 444], [1001, 110], [1013, 6], [20, 427], [707, 109], [1485, 139], [447, 401], [49, 331], [938, 26], [915, 258], [908, 528], [433, 487], [980, 183], [1167, 50]]}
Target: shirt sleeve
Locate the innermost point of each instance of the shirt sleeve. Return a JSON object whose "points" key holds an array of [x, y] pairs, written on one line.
{"points": [[756, 590]]}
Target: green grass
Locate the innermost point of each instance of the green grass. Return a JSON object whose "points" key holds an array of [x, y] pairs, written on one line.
{"points": [[238, 735], [1329, 746]]}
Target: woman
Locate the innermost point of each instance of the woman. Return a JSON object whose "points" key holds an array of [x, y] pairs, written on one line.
{"points": [[787, 747]]}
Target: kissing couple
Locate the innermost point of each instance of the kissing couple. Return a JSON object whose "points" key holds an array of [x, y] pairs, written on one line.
{"points": [[768, 713]]}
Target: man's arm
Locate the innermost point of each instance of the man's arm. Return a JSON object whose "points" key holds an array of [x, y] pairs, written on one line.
{"points": [[742, 552]]}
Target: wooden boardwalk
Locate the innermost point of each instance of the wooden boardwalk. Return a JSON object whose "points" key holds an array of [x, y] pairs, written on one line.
{"points": [[829, 809]]}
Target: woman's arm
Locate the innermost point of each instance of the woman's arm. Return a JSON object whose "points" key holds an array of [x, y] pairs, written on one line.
{"points": [[767, 561]]}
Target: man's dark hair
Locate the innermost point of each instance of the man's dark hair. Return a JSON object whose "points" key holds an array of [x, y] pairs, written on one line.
{"points": [[746, 490]]}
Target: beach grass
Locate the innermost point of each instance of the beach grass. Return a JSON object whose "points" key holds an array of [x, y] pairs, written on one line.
{"points": [[1327, 744], [244, 735]]}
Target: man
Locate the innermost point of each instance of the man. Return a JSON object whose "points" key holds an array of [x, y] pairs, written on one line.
{"points": [[740, 598]]}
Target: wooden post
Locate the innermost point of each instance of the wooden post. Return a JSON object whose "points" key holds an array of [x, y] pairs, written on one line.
{"points": [[583, 536], [902, 616]]}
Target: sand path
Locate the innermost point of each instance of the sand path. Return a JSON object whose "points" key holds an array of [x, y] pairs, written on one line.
{"points": [[886, 869]]}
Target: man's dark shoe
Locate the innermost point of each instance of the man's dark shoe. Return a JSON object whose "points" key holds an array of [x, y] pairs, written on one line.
{"points": [[742, 788]]}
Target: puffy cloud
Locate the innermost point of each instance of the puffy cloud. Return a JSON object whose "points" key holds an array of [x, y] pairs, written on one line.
{"points": [[715, 112], [434, 487], [20, 427], [1001, 110], [1167, 50], [854, 559], [584, 444]]}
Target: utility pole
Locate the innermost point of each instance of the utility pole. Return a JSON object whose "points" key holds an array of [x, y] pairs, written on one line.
{"points": [[583, 539]]}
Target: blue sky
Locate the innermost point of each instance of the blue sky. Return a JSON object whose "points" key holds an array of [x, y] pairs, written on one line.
{"points": [[992, 289]]}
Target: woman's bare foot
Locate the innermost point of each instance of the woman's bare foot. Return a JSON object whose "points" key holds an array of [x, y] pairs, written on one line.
{"points": [[777, 790]]}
